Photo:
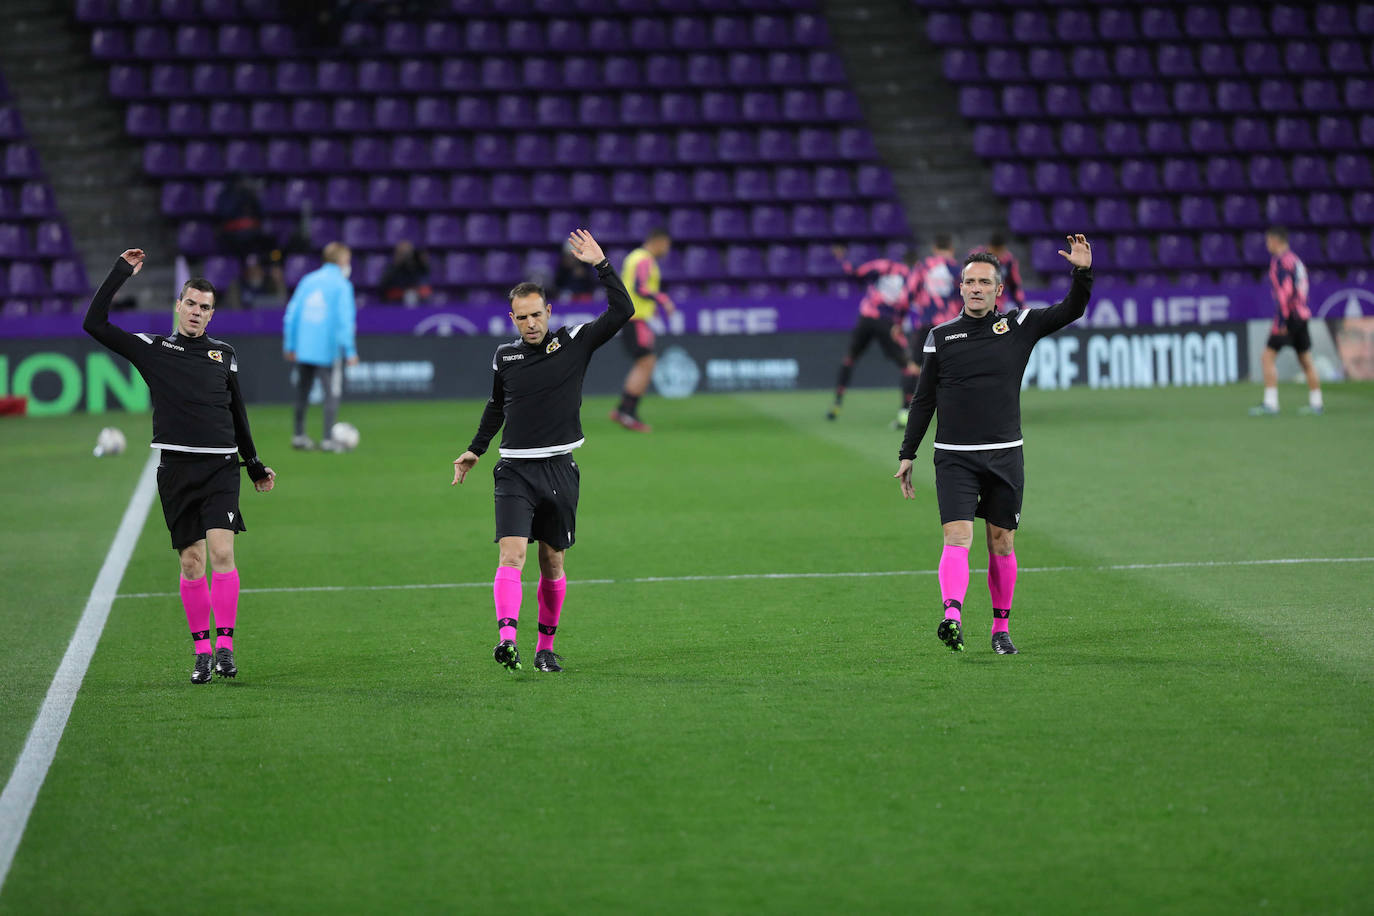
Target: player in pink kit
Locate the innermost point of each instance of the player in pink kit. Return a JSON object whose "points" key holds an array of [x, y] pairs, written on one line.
{"points": [[933, 286], [1288, 278], [882, 311], [1013, 289]]}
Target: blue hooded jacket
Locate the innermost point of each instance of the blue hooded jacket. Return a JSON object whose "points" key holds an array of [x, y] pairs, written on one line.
{"points": [[320, 318]]}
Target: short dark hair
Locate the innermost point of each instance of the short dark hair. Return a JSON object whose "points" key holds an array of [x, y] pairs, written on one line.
{"points": [[529, 287], [658, 232], [983, 257], [1278, 232], [944, 240], [197, 283], [997, 239]]}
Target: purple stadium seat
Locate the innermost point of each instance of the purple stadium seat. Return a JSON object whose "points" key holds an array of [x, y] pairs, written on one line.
{"points": [[786, 261], [1005, 64], [550, 188], [459, 74], [780, 144], [1226, 173], [1150, 98], [978, 102], [614, 148], [159, 159], [630, 187], [499, 73], [1268, 173], [1165, 136], [688, 224], [502, 267], [526, 228], [1310, 172], [485, 228], [140, 120], [592, 110], [352, 115], [1053, 177], [359, 37], [1241, 211], [511, 189], [1288, 19], [1063, 100], [326, 154], [1235, 96], [754, 183], [1342, 247], [1175, 60], [1219, 249], [1046, 64], [745, 69], [809, 30], [961, 65], [850, 220], [110, 44], [1122, 138], [1366, 131], [252, 78], [834, 183], [1132, 252], [837, 104], [817, 143], [514, 110], [1075, 139], [484, 36], [335, 76], [1333, 19], [1090, 63], [1346, 56], [653, 147], [462, 268], [1106, 99], [1110, 214], [728, 223], [422, 76], [376, 76], [1359, 93], [1031, 26], [768, 222], [666, 71], [1277, 95], [52, 240], [671, 186], [730, 32], [1192, 97], [26, 279], [622, 72], [1158, 22], [1251, 134], [203, 157], [1027, 217], [242, 155], [1304, 58], [151, 42], [1362, 208], [712, 186], [1009, 178], [276, 39], [1294, 134], [1321, 95], [735, 145], [1197, 211], [985, 26], [824, 67], [1074, 26], [1177, 252], [1208, 135], [1155, 213], [1262, 58], [180, 198], [1035, 139], [1353, 171], [468, 190], [1095, 176], [945, 28], [386, 193], [1325, 208], [475, 111], [1116, 24], [762, 107], [1021, 101], [1139, 176], [342, 194], [701, 261], [1219, 59], [185, 118], [170, 80], [1070, 211], [992, 140], [704, 70], [1246, 22], [1133, 61], [565, 35]]}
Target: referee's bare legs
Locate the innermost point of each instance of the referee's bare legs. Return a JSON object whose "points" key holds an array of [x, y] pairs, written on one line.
{"points": [[217, 595], [954, 572]]}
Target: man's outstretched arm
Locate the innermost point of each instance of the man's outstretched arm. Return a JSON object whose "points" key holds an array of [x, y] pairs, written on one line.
{"points": [[97, 322], [619, 308]]}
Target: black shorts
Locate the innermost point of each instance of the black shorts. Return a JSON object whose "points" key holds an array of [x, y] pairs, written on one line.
{"points": [[536, 499], [198, 492], [982, 484], [638, 338], [1293, 332], [871, 329]]}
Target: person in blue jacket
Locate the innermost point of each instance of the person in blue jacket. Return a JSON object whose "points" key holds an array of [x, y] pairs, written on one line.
{"points": [[319, 331]]}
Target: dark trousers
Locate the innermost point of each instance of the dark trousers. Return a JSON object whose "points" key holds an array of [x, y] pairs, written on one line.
{"points": [[332, 379]]}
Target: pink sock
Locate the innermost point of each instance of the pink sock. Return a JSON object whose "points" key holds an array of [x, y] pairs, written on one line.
{"points": [[1001, 584], [953, 579], [505, 589], [195, 597], [224, 597], [551, 593]]}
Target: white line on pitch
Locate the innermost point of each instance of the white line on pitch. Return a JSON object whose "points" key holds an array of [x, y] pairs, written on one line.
{"points": [[16, 802], [732, 577]]}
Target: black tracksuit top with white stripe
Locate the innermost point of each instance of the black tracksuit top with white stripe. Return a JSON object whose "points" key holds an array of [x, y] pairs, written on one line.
{"points": [[536, 390], [193, 381], [973, 369]]}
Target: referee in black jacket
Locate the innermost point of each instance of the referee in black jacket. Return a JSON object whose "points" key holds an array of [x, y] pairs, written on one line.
{"points": [[972, 380], [536, 393], [199, 423]]}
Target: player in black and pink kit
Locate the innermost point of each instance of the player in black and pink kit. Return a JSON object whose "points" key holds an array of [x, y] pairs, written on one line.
{"points": [[933, 287], [1288, 280], [972, 382], [882, 312]]}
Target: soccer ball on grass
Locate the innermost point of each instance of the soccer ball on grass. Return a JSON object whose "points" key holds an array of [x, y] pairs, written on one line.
{"points": [[110, 442], [346, 435]]}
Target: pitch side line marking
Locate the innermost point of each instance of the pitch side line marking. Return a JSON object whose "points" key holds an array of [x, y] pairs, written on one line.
{"points": [[16, 802], [872, 574]]}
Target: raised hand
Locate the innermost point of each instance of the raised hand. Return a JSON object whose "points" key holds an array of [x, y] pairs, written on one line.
{"points": [[584, 247], [134, 257], [1080, 253], [465, 462]]}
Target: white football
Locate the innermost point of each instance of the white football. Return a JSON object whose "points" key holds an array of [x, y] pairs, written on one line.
{"points": [[110, 442], [346, 434]]}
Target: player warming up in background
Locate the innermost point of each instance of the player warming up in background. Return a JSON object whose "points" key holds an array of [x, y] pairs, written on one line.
{"points": [[640, 275], [1013, 290], [934, 289], [199, 423], [1288, 278], [536, 392], [881, 313], [318, 331], [972, 380]]}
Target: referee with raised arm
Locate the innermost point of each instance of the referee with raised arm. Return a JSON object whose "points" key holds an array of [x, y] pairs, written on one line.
{"points": [[536, 393], [199, 423], [972, 379]]}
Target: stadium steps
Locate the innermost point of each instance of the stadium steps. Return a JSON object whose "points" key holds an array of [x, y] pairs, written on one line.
{"points": [[914, 117], [94, 169]]}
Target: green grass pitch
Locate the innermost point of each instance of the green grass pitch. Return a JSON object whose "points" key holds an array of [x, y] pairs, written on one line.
{"points": [[1180, 739]]}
